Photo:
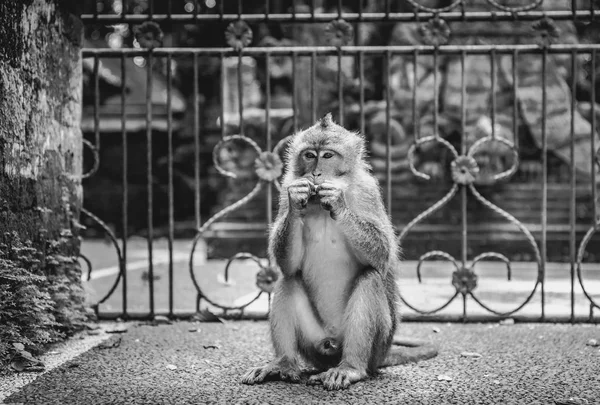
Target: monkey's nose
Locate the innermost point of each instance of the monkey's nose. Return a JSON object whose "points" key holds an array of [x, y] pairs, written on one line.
{"points": [[316, 174]]}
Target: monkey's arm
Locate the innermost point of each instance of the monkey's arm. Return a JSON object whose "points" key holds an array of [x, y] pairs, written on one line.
{"points": [[285, 242], [367, 237], [364, 223]]}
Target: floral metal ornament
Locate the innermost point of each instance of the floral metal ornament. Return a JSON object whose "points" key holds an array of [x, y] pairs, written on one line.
{"points": [[547, 31], [238, 35], [149, 35], [464, 170], [339, 33], [266, 278], [464, 280], [269, 166], [435, 32]]}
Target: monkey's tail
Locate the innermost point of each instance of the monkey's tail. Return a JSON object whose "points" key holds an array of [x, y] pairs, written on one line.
{"points": [[405, 351]]}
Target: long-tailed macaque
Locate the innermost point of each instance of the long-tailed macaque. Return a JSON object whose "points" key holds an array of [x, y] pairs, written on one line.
{"points": [[335, 305]]}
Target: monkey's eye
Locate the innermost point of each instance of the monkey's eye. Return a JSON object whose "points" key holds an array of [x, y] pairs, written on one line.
{"points": [[309, 155], [327, 155]]}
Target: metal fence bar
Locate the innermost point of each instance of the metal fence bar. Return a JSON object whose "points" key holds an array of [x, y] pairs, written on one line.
{"points": [[125, 207], [313, 86], [170, 178], [196, 101], [294, 90], [149, 186], [515, 104], [97, 103], [572, 235], [240, 89], [350, 50], [340, 90], [296, 17], [594, 163], [415, 115], [544, 218], [388, 138], [361, 84], [463, 152], [222, 87], [269, 135]]}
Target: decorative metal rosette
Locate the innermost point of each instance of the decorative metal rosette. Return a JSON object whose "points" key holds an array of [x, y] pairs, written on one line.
{"points": [[268, 166], [339, 33], [547, 31], [238, 35], [464, 280], [464, 170], [149, 35], [435, 32], [465, 173]]}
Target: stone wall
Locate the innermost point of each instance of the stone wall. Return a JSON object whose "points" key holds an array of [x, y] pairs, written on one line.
{"points": [[41, 146]]}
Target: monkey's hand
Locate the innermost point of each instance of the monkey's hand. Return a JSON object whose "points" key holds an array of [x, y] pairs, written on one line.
{"points": [[299, 191], [332, 198]]}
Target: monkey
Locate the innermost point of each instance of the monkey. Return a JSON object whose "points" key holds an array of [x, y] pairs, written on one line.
{"points": [[334, 305]]}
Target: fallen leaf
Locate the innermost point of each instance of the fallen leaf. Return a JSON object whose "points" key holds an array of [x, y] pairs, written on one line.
{"points": [[571, 401], [471, 354], [73, 365], [18, 365], [94, 332], [508, 321], [111, 343], [171, 367], [18, 346], [593, 343], [161, 319], [120, 329], [206, 316], [436, 330], [211, 346], [92, 326], [193, 330], [443, 377], [53, 352]]}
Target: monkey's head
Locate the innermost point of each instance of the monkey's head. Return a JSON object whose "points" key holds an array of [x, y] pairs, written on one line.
{"points": [[326, 151]]}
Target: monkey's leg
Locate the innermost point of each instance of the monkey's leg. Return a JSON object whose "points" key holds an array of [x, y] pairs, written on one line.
{"points": [[293, 324], [367, 333]]}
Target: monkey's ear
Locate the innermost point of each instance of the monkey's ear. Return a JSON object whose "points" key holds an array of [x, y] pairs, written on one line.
{"points": [[326, 121]]}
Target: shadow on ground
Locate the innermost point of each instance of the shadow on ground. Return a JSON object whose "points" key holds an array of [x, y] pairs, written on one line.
{"points": [[198, 363]]}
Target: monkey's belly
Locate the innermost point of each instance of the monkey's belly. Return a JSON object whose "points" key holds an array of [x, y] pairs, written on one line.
{"points": [[329, 268]]}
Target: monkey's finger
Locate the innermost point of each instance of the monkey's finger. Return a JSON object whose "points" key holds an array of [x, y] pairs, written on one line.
{"points": [[253, 376], [329, 193], [326, 185], [316, 379], [299, 189]]}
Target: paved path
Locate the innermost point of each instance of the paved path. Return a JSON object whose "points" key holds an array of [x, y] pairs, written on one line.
{"points": [[169, 364]]}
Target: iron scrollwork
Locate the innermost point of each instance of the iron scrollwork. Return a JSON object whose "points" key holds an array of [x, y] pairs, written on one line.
{"points": [[465, 173], [268, 167]]}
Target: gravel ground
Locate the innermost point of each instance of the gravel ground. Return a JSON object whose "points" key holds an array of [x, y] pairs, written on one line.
{"points": [[56, 355], [198, 363]]}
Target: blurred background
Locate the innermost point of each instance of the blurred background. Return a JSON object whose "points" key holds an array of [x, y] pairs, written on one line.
{"points": [[405, 96]]}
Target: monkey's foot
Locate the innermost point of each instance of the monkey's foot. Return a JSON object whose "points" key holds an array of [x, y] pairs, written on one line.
{"points": [[337, 378], [276, 370]]}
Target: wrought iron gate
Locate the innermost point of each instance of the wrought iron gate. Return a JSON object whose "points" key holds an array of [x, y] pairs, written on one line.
{"points": [[530, 79]]}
